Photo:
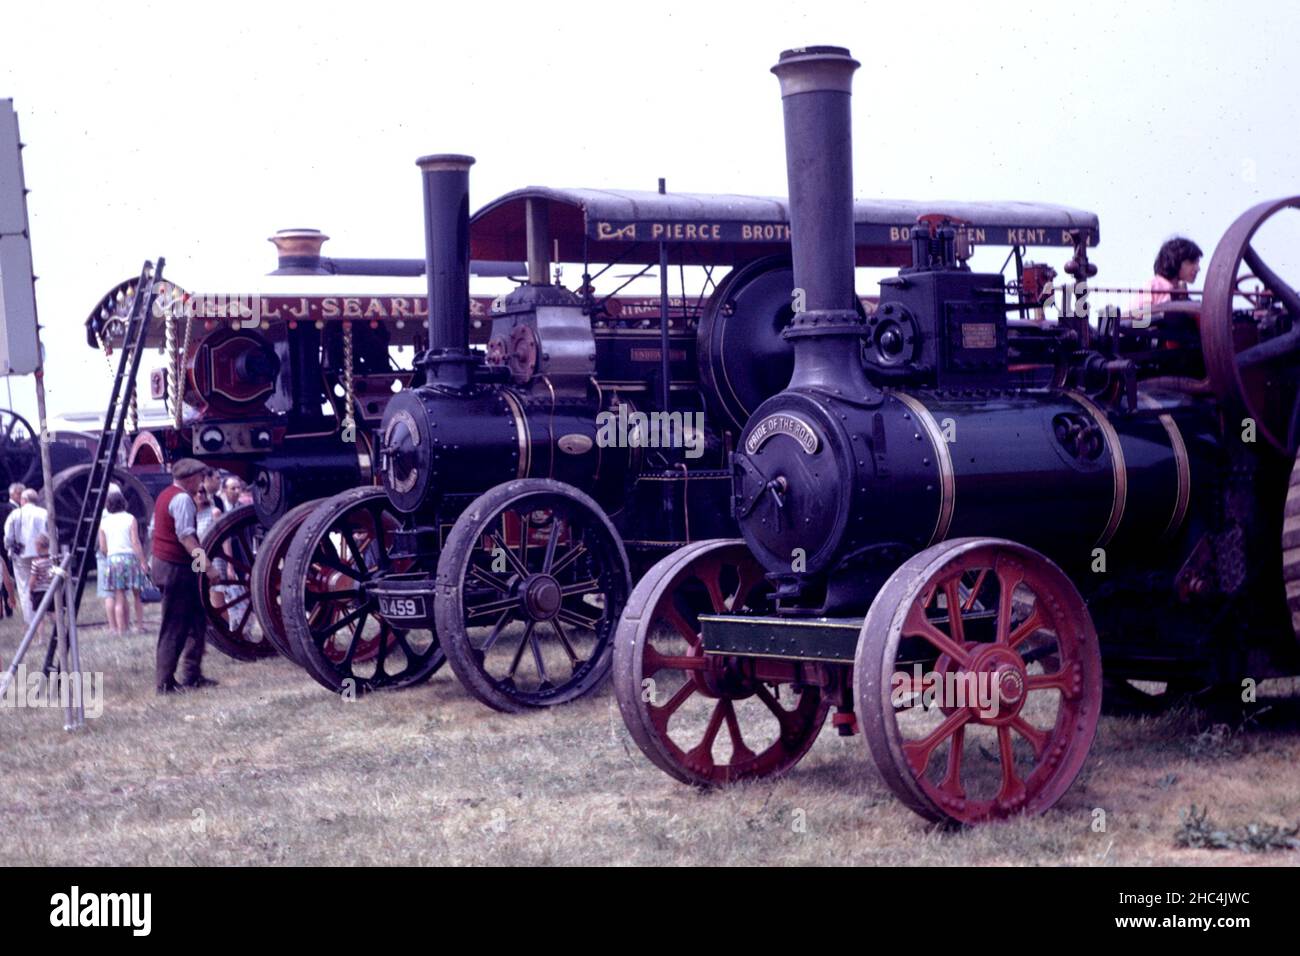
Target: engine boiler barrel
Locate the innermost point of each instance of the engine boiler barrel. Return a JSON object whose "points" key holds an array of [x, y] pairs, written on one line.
{"points": [[434, 444], [1053, 471]]}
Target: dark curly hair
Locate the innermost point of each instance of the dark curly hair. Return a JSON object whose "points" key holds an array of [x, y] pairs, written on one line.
{"points": [[1173, 254]]}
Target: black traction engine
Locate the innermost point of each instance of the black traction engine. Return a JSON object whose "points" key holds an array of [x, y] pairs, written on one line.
{"points": [[953, 513]]}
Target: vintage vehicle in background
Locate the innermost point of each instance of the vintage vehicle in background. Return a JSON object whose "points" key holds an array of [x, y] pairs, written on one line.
{"points": [[70, 454], [955, 523]]}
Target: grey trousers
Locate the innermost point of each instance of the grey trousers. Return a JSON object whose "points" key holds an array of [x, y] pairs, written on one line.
{"points": [[184, 623], [22, 578]]}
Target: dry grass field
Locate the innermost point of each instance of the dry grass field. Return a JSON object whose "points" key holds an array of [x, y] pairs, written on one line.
{"points": [[269, 768]]}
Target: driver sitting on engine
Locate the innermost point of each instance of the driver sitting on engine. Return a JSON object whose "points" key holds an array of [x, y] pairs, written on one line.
{"points": [[1177, 264]]}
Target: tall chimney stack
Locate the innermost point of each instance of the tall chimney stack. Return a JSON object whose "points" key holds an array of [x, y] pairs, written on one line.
{"points": [[816, 86], [446, 267]]}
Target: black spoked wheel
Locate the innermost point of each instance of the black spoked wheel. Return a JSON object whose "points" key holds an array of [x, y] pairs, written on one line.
{"points": [[530, 586], [71, 485], [231, 546], [327, 614], [268, 577]]}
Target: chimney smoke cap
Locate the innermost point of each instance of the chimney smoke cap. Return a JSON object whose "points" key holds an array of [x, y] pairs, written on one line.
{"points": [[445, 162], [815, 69], [298, 242]]}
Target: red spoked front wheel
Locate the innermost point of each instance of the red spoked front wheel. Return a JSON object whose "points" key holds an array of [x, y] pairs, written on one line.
{"points": [[707, 719]]}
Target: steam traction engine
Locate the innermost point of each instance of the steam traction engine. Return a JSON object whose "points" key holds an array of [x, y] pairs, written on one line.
{"points": [[282, 389], [501, 525], [950, 518], [524, 486]]}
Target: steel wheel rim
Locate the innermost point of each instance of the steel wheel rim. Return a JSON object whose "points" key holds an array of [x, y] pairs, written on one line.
{"points": [[363, 550], [918, 767], [232, 544], [268, 576], [546, 561], [320, 597], [1244, 389], [730, 579]]}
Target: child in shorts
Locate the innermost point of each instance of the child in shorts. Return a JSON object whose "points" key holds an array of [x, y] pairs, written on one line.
{"points": [[41, 578]]}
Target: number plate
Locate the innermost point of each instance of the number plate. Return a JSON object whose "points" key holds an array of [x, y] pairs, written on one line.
{"points": [[402, 608]]}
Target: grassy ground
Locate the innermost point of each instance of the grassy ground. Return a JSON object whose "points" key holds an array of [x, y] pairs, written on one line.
{"points": [[270, 768]]}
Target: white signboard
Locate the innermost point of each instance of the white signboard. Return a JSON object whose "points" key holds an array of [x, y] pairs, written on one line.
{"points": [[19, 353]]}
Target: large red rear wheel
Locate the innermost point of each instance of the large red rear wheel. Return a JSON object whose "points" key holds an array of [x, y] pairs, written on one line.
{"points": [[978, 681]]}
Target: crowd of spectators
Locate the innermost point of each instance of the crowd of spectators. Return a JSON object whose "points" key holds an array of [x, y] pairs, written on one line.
{"points": [[125, 569]]}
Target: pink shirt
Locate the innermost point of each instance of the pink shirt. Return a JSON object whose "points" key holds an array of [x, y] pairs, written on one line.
{"points": [[1158, 290]]}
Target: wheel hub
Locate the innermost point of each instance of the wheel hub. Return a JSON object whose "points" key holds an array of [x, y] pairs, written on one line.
{"points": [[332, 580], [1000, 685], [724, 677], [1011, 686], [542, 597]]}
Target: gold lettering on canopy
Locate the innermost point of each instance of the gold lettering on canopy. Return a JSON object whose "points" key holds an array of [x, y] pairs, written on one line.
{"points": [[974, 234], [703, 231], [1027, 237], [605, 230], [765, 232]]}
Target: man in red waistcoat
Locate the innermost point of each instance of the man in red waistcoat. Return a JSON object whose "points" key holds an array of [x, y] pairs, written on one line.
{"points": [[176, 558]]}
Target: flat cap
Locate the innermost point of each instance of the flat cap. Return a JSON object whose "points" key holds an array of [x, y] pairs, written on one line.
{"points": [[187, 467]]}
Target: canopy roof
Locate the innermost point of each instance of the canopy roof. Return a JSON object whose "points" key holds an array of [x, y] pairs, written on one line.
{"points": [[600, 225], [604, 226]]}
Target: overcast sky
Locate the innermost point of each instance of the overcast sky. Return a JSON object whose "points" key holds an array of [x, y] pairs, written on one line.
{"points": [[153, 129]]}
